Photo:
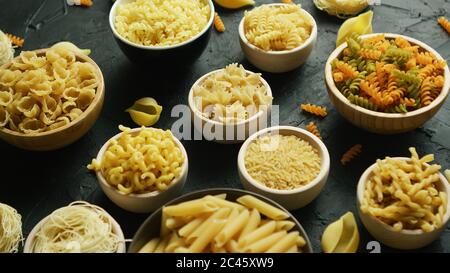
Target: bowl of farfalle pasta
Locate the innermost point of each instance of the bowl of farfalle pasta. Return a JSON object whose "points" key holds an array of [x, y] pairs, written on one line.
{"points": [[277, 37], [386, 83], [403, 201], [230, 104], [49, 98]]}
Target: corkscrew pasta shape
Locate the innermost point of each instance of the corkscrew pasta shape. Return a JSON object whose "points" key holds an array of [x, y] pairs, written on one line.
{"points": [[351, 154], [445, 24], [312, 128], [314, 109], [16, 41], [218, 23]]}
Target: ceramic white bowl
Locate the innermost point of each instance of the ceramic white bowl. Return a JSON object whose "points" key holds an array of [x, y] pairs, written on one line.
{"points": [[28, 247], [295, 198], [405, 239], [377, 122], [145, 202], [278, 61], [238, 132]]}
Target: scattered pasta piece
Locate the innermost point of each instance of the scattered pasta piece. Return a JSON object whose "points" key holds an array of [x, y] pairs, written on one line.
{"points": [[287, 1], [10, 229], [444, 23], [277, 28], [351, 153], [78, 228], [282, 162], [6, 49], [16, 41], [314, 109], [146, 161], [218, 23], [145, 111], [341, 236], [312, 127], [212, 224], [406, 194], [84, 3]]}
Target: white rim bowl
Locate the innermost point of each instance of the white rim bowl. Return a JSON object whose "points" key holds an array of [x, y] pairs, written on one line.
{"points": [[280, 195], [112, 15]]}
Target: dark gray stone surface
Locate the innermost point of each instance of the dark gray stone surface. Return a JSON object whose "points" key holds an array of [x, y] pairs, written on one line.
{"points": [[36, 183]]}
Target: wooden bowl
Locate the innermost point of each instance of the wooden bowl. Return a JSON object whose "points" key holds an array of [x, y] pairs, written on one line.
{"points": [[65, 135], [384, 123]]}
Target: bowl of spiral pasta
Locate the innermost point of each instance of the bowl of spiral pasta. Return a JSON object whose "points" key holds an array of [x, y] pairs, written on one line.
{"points": [[403, 201], [140, 169], [162, 30], [386, 83], [230, 104], [221, 220], [277, 37], [49, 98]]}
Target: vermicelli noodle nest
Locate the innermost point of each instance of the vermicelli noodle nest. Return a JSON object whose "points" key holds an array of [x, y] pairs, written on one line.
{"points": [[10, 229], [78, 228], [6, 49]]}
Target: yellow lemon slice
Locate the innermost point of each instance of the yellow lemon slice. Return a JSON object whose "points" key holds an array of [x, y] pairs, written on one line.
{"points": [[145, 112], [234, 4], [361, 24], [341, 236], [71, 47]]}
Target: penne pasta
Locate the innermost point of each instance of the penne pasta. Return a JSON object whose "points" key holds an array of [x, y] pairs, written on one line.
{"points": [[223, 203], [266, 209], [285, 243], [192, 208], [232, 228], [150, 246], [191, 227], [218, 215], [285, 225], [253, 222], [162, 245], [207, 235], [174, 242], [265, 243], [257, 234]]}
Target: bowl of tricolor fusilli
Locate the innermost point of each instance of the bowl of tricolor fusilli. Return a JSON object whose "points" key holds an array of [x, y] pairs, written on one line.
{"points": [[386, 83], [162, 31], [140, 169], [277, 37], [403, 202], [286, 164], [230, 104]]}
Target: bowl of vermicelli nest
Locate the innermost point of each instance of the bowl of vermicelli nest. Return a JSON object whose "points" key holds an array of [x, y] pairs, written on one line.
{"points": [[221, 221], [141, 169], [80, 227], [49, 98], [230, 104], [403, 202], [387, 83]]}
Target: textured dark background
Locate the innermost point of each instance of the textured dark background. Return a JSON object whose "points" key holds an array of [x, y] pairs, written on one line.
{"points": [[36, 183]]}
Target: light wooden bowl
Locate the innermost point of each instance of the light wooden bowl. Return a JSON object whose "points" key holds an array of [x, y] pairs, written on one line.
{"points": [[384, 123], [405, 239], [65, 135]]}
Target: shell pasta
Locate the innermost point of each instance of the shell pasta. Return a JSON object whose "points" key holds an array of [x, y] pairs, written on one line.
{"points": [[225, 226]]}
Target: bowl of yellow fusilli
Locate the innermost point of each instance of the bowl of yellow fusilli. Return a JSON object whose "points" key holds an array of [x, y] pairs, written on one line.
{"points": [[277, 37], [162, 31], [386, 83]]}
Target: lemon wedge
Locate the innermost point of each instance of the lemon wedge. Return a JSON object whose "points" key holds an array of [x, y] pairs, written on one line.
{"points": [[341, 236], [71, 47], [234, 4], [361, 24], [145, 111]]}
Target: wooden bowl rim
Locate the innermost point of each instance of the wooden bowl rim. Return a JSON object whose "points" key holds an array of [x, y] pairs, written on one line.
{"points": [[98, 96], [332, 87]]}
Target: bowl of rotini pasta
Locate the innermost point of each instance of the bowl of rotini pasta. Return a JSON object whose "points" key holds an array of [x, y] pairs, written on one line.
{"points": [[403, 202], [284, 163], [221, 220], [162, 31], [277, 37], [230, 104], [49, 98], [140, 169], [387, 83]]}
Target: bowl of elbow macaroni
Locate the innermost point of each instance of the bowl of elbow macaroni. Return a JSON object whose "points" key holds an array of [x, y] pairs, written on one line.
{"points": [[403, 202], [221, 221], [155, 30], [140, 169], [277, 37]]}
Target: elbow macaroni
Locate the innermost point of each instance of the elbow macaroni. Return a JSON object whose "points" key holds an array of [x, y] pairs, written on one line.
{"points": [[141, 162]]}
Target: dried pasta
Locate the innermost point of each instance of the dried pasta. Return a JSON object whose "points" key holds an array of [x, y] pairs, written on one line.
{"points": [[312, 128], [231, 95], [277, 28], [161, 22], [16, 41], [6, 49], [218, 23], [351, 154], [405, 193], [10, 229], [445, 24], [314, 109], [227, 227], [42, 93], [79, 227], [146, 161], [282, 162], [388, 75]]}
